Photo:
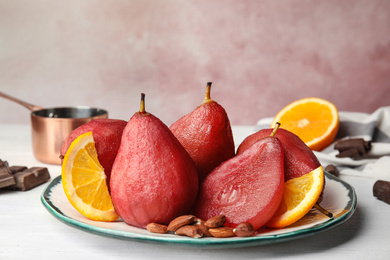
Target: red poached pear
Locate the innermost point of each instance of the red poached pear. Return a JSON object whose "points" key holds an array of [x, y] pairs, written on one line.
{"points": [[206, 134], [247, 187], [107, 134], [153, 178], [299, 159]]}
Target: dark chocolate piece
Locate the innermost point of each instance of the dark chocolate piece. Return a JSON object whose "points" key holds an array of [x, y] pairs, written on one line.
{"points": [[367, 145], [16, 168], [356, 143], [381, 190], [3, 163], [6, 177], [30, 178], [352, 153], [332, 170], [354, 148]]}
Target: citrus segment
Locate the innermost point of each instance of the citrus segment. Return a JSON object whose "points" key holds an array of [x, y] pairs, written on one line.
{"points": [[300, 195], [314, 120], [84, 180]]}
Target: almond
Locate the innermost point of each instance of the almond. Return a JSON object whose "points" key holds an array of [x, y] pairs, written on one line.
{"points": [[221, 232], [190, 231], [200, 224], [157, 228], [180, 221], [244, 229], [216, 221]]}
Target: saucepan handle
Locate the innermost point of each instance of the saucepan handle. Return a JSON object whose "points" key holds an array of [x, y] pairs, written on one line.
{"points": [[25, 104]]}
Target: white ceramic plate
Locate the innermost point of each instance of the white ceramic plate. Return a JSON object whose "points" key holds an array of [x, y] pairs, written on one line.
{"points": [[339, 198]]}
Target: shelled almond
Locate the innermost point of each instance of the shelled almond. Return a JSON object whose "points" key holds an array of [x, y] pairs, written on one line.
{"points": [[157, 228], [191, 226], [221, 232], [190, 231], [180, 222], [245, 229]]}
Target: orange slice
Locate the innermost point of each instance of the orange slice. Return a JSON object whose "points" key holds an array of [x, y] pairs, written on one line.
{"points": [[84, 180], [314, 120], [300, 195]]}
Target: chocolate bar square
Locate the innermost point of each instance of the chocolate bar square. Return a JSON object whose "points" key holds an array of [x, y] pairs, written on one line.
{"points": [[6, 177], [30, 178]]}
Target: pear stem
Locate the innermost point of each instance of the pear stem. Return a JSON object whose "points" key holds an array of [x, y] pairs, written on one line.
{"points": [[276, 127], [142, 104], [207, 95], [323, 211]]}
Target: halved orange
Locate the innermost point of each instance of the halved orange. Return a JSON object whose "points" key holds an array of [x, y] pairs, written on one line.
{"points": [[84, 181], [314, 120], [300, 195]]}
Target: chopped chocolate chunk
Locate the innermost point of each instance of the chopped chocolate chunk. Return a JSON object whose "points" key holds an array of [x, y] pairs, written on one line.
{"points": [[367, 145], [20, 177], [3, 163], [30, 178], [6, 177], [332, 170], [381, 190], [16, 168], [353, 148], [352, 153]]}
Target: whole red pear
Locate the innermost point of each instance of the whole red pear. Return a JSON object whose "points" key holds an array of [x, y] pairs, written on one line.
{"points": [[153, 178], [206, 134]]}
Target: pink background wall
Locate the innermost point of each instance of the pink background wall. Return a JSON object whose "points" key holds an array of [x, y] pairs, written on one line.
{"points": [[260, 55]]}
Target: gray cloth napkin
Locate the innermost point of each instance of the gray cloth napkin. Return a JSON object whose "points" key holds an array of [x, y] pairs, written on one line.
{"points": [[373, 127]]}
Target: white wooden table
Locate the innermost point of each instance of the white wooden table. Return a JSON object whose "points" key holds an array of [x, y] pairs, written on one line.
{"points": [[29, 231]]}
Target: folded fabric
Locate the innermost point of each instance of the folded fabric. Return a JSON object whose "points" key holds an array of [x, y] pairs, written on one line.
{"points": [[373, 127]]}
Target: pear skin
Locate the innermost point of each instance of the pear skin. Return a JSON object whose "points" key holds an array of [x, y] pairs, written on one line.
{"points": [[247, 187], [107, 134], [206, 134], [153, 178], [299, 158]]}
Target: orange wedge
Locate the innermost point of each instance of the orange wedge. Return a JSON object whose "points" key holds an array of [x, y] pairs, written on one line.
{"points": [[314, 120], [300, 195], [84, 180]]}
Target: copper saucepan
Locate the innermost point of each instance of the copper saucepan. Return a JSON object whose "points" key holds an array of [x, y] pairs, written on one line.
{"points": [[51, 126]]}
